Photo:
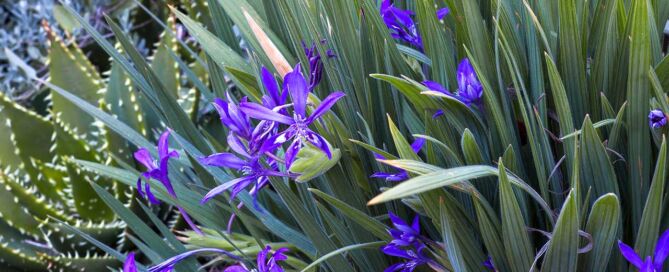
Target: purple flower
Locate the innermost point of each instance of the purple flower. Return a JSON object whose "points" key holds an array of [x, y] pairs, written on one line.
{"points": [[401, 175], [404, 234], [413, 257], [156, 169], [650, 264], [315, 63], [296, 86], [264, 264], [168, 265], [159, 170], [251, 168], [234, 119], [470, 89], [657, 118], [400, 24], [129, 264], [442, 12]]}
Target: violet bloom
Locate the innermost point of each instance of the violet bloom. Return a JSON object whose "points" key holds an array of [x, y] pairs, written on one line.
{"points": [[470, 89], [404, 234], [400, 24], [402, 174], [315, 63], [657, 118], [159, 170], [651, 263], [251, 168], [169, 264], [413, 258], [296, 86], [129, 264], [264, 264]]}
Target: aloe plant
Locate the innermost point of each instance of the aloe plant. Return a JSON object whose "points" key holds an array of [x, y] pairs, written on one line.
{"points": [[537, 130]]}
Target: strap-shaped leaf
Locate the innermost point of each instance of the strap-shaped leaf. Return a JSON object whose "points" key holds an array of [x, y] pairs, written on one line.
{"points": [[514, 231], [563, 245], [603, 224], [370, 224], [649, 229]]}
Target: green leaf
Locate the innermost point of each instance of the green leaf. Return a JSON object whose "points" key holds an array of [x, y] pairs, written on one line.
{"points": [[376, 228], [514, 233], [451, 177], [451, 243], [342, 250], [638, 95], [70, 69], [64, 19], [563, 245], [652, 212], [597, 172], [603, 224]]}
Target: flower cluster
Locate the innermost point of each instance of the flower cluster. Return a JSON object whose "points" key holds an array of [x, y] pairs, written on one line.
{"points": [[256, 147], [263, 263], [401, 25], [470, 90], [407, 244], [657, 118], [650, 264]]}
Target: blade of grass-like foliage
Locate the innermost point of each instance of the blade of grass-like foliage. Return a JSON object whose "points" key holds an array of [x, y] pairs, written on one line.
{"points": [[652, 212], [451, 244], [490, 227], [220, 52], [448, 177], [370, 224], [514, 233], [135, 223], [638, 93], [603, 224], [563, 245], [562, 107], [571, 60], [325, 257], [595, 125], [309, 225], [597, 172], [658, 91]]}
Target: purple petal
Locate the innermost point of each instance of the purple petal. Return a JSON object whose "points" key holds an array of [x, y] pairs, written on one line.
{"points": [[437, 114], [224, 160], [169, 264], [325, 106], [415, 225], [318, 141], [139, 187], [260, 112], [271, 86], [221, 188], [648, 266], [262, 256], [236, 145], [236, 268], [435, 86], [143, 156], [277, 140], [662, 249], [292, 151], [417, 145], [441, 13], [129, 264], [630, 255], [150, 195], [295, 84], [395, 251], [163, 144]]}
